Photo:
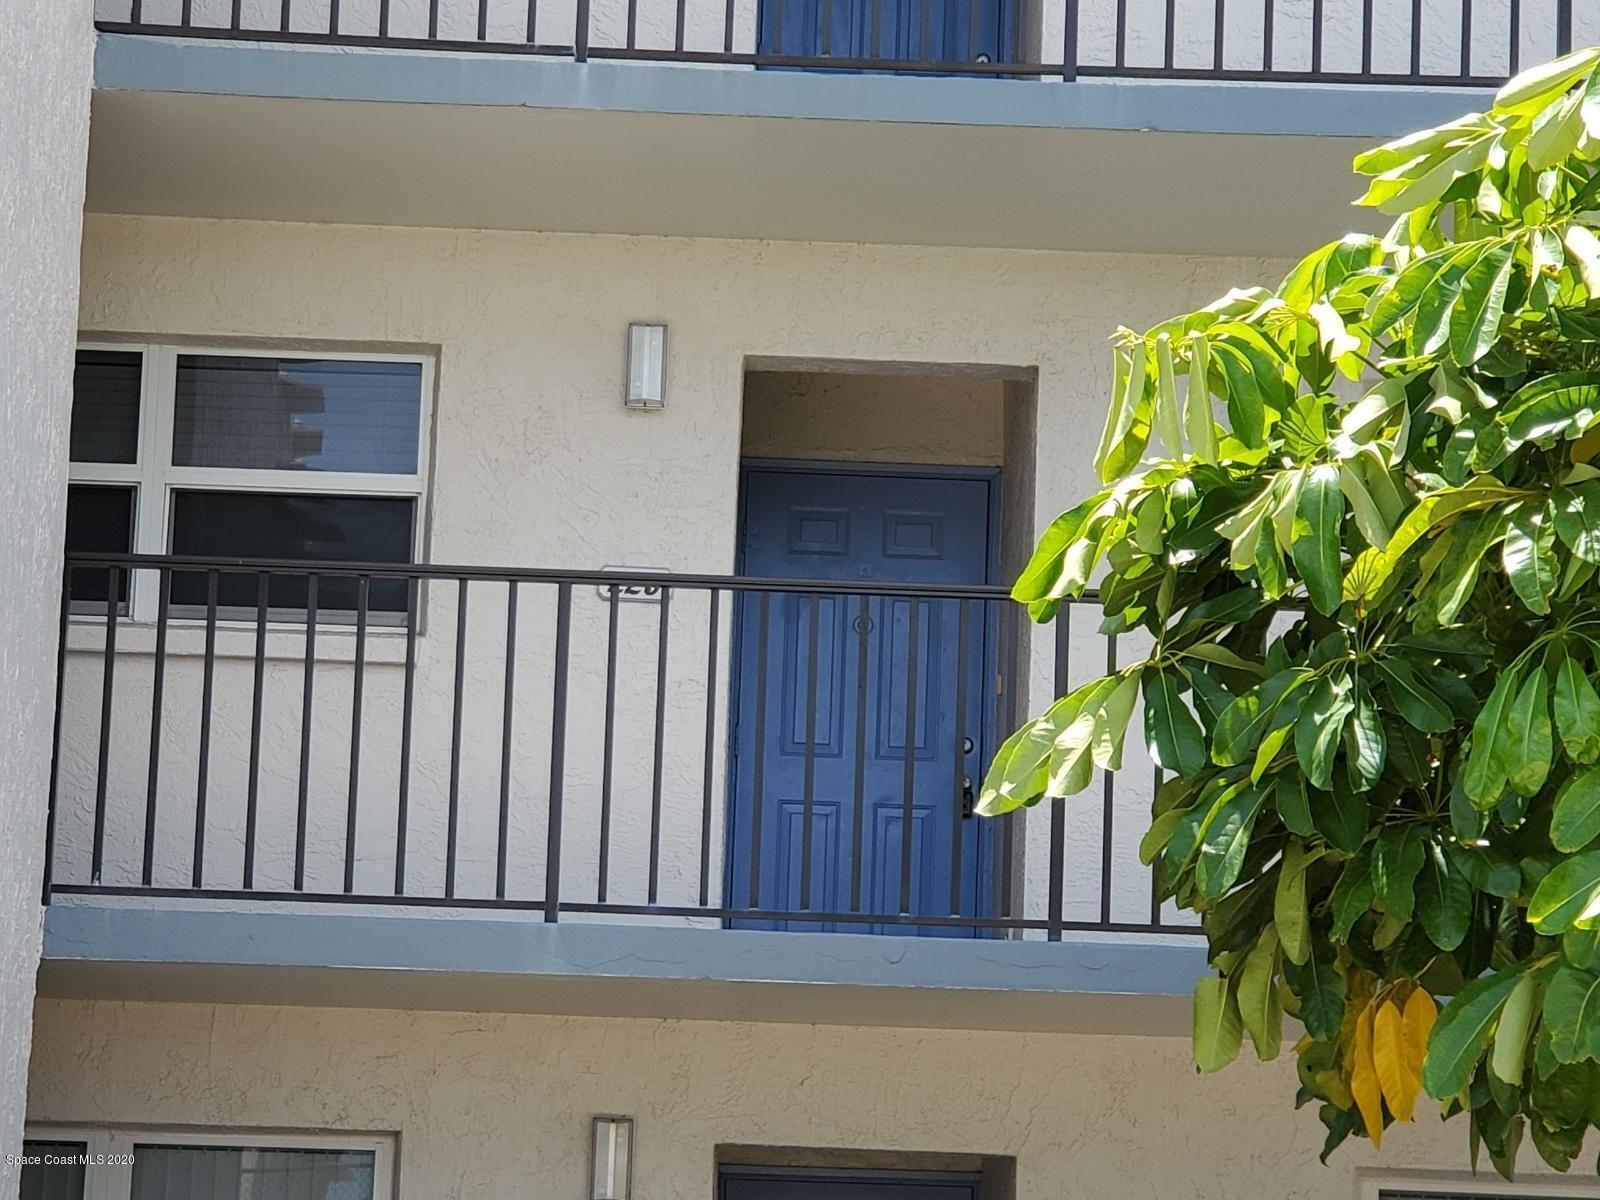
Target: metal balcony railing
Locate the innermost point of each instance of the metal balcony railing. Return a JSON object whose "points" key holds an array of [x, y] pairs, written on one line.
{"points": [[1420, 42], [623, 746]]}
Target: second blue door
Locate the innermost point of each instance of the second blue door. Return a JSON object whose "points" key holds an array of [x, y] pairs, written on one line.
{"points": [[927, 31], [854, 678]]}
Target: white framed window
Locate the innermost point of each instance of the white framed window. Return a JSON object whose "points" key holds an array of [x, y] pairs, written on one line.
{"points": [[74, 1163], [222, 451], [1417, 1185]]}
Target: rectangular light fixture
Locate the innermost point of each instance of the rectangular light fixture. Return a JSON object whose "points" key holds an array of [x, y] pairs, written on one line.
{"points": [[611, 1163], [646, 385]]}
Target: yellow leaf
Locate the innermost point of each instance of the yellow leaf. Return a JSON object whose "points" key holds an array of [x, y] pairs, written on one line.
{"points": [[1586, 447], [1399, 1074], [1364, 1086], [1417, 1024]]}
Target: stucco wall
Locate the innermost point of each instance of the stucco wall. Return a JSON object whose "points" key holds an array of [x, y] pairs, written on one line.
{"points": [[536, 463], [44, 118], [497, 1107]]}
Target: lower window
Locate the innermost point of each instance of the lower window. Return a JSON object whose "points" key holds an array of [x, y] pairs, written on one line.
{"points": [[160, 1165]]}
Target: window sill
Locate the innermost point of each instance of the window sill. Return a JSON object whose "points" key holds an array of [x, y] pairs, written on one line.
{"points": [[385, 645]]}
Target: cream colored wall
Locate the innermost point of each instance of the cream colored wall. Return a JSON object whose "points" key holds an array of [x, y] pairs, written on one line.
{"points": [[497, 1107], [536, 463], [44, 125], [953, 420]]}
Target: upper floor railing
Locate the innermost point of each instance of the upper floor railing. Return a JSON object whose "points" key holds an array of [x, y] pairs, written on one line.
{"points": [[1420, 42], [756, 753]]}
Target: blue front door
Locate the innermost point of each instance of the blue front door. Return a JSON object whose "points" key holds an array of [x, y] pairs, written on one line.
{"points": [[755, 1183], [930, 31], [848, 678]]}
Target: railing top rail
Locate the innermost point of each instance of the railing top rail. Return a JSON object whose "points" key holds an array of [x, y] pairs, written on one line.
{"points": [[495, 574]]}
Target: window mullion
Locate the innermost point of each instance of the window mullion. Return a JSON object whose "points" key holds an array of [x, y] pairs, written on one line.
{"points": [[104, 1179], [155, 453]]}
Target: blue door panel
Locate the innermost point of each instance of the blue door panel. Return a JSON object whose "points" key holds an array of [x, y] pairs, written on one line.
{"points": [[934, 31], [815, 525]]}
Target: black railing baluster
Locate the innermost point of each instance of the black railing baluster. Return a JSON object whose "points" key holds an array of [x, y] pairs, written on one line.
{"points": [[1069, 43], [158, 681], [863, 624], [207, 683], [1155, 868], [1513, 36], [709, 760], [186, 14], [974, 29], [1316, 36], [808, 786], [308, 684], [663, 624], [357, 688], [433, 20], [1007, 684], [1416, 40], [63, 628], [1169, 46], [483, 20], [1107, 806], [923, 52], [236, 16], [558, 754], [453, 804], [909, 771], [533, 22], [285, 16], [959, 780], [1122, 34], [608, 741], [1219, 24], [1268, 12], [1563, 26], [876, 32], [1366, 37], [505, 741], [257, 685], [383, 18], [580, 41], [333, 18], [1058, 805], [727, 27], [759, 760], [827, 26], [632, 24], [678, 26], [402, 814], [135, 12], [108, 675], [1466, 39]]}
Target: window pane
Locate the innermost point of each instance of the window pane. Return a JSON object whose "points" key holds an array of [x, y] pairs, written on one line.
{"points": [[99, 521], [52, 1180], [105, 406], [269, 525], [248, 1173], [297, 414]]}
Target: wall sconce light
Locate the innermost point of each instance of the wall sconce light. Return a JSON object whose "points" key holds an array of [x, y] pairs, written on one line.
{"points": [[647, 366], [611, 1164]]}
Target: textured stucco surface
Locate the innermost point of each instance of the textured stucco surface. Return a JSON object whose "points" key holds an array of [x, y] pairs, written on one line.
{"points": [[45, 54], [536, 463], [497, 1107]]}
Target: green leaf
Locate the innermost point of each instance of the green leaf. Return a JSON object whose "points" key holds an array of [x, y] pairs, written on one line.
{"points": [[1575, 821], [1241, 390], [1581, 948], [1352, 895], [1533, 88], [1484, 778], [1293, 805], [1365, 745], [1176, 741], [1567, 895], [1577, 514], [1476, 324], [1370, 518], [1156, 838], [1127, 427], [1260, 1010], [1316, 735], [1577, 712], [1397, 857], [1564, 403], [1557, 135], [1167, 421], [1318, 518], [1509, 1056], [1112, 724], [1572, 1014], [1462, 1033], [1322, 992], [1444, 899], [1524, 749], [1198, 421], [1240, 726], [1289, 910], [1528, 554], [1218, 1027], [1459, 575], [1227, 839], [1341, 817], [1420, 707]]}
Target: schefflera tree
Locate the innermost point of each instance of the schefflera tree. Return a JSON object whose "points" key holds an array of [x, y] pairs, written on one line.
{"points": [[1359, 515]]}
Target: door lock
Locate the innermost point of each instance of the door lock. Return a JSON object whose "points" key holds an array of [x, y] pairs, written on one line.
{"points": [[969, 799]]}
